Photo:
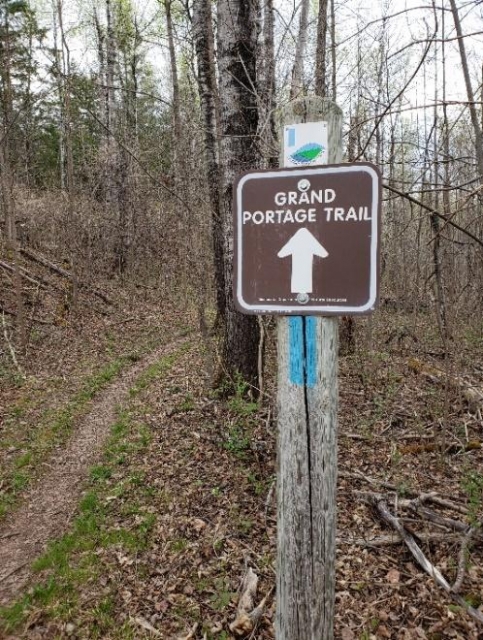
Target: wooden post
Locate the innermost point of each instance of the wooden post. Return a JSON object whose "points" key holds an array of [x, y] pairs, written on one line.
{"points": [[307, 445]]}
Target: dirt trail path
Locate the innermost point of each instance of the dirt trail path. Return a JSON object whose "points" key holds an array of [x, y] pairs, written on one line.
{"points": [[50, 504]]}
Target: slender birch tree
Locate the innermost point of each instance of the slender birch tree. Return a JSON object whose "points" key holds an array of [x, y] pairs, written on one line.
{"points": [[209, 101], [321, 51], [297, 85], [477, 130]]}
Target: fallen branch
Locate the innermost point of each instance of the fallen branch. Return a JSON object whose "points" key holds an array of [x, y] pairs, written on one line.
{"points": [[437, 213], [380, 438], [37, 280], [436, 518], [418, 508], [247, 615], [11, 349], [14, 315], [256, 614], [192, 634], [10, 535], [462, 560], [471, 393], [375, 482], [243, 623], [147, 626], [380, 504], [429, 447], [442, 502], [14, 571], [391, 540], [65, 274]]}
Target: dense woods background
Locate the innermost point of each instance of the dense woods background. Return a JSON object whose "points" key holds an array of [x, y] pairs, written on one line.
{"points": [[123, 125], [138, 414]]}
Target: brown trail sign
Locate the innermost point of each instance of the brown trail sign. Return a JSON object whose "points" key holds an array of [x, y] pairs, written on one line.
{"points": [[307, 245], [307, 240]]}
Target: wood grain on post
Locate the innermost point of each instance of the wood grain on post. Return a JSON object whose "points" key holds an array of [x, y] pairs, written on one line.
{"points": [[307, 448]]}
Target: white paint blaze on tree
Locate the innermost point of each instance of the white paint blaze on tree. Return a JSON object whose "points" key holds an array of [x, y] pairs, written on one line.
{"points": [[237, 45]]}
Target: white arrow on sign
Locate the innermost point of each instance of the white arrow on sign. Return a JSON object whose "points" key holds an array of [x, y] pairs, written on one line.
{"points": [[302, 246]]}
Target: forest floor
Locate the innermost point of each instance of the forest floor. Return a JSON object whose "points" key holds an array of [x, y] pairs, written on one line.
{"points": [[147, 528]]}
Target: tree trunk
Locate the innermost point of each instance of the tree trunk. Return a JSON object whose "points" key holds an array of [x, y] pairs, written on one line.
{"points": [[297, 86], [469, 89], [208, 90], [333, 50], [111, 60], [321, 51], [6, 178], [111, 151], [67, 128], [266, 86], [176, 107], [237, 32], [29, 109], [60, 91], [103, 90]]}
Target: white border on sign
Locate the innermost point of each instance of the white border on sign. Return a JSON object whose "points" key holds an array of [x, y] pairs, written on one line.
{"points": [[333, 310]]}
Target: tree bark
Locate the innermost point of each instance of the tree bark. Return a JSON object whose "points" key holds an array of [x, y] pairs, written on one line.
{"points": [[60, 90], [469, 89], [297, 86], [101, 58], [109, 145], [267, 126], [333, 50], [67, 128], [208, 90], [321, 51], [237, 31], [176, 107], [438, 263], [6, 177], [111, 60]]}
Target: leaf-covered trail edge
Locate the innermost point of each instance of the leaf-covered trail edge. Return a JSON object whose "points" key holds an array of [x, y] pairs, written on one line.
{"points": [[199, 487], [48, 507]]}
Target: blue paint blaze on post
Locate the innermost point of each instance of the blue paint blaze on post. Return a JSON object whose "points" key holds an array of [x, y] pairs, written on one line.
{"points": [[303, 357], [296, 346], [311, 351]]}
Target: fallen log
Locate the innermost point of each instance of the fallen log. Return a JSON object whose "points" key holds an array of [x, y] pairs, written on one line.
{"points": [[453, 449], [393, 539], [14, 315], [65, 274], [35, 280], [473, 394]]}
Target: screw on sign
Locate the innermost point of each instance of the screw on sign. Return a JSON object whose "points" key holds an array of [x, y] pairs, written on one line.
{"points": [[307, 240]]}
